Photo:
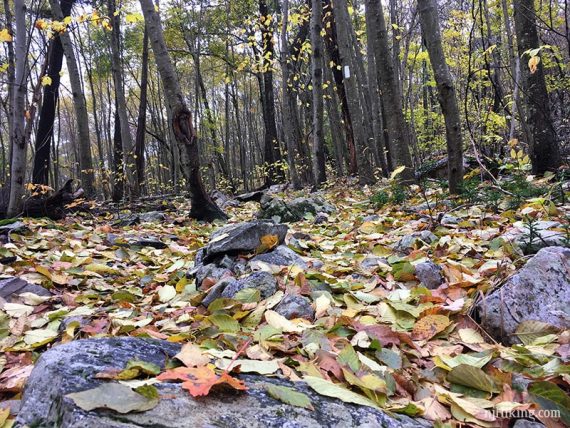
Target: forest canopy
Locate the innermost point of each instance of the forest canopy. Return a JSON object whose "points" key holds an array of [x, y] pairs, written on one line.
{"points": [[134, 98]]}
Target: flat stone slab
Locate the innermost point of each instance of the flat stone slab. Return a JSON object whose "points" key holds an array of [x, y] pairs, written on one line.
{"points": [[71, 368]]}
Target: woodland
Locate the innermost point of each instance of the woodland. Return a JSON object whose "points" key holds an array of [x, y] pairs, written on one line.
{"points": [[386, 134]]}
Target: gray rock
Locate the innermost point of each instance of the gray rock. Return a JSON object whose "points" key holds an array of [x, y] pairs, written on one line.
{"points": [[293, 210], [262, 281], [321, 218], [416, 238], [149, 241], [429, 274], [541, 236], [210, 271], [11, 288], [525, 423], [71, 367], [371, 262], [152, 217], [251, 196], [130, 220], [242, 237], [372, 217], [216, 291], [293, 306], [15, 227], [281, 256], [539, 291], [222, 200], [449, 219]]}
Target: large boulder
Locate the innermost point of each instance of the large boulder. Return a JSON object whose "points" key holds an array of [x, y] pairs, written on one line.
{"points": [[539, 291], [242, 238], [72, 368], [293, 210]]}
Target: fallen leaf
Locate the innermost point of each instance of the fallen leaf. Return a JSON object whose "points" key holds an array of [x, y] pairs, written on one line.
{"points": [[289, 396], [114, 396]]}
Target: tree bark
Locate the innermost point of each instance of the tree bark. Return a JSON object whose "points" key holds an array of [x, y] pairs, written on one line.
{"points": [[19, 146], [116, 68], [291, 133], [118, 177], [544, 152], [399, 147], [271, 140], [342, 21], [319, 172], [203, 208], [44, 133], [141, 120], [87, 173], [446, 92]]}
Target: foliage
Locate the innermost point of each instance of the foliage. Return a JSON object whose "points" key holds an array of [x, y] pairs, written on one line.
{"points": [[377, 334]]}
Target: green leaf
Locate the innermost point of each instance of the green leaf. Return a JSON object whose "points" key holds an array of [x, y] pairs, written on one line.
{"points": [[289, 396], [249, 366], [114, 396], [329, 389], [248, 295], [349, 357], [551, 397], [529, 331], [472, 377], [225, 323], [144, 367]]}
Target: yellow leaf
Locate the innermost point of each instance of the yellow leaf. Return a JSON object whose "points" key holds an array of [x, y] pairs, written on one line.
{"points": [[131, 18], [533, 63], [46, 80], [397, 171], [267, 243], [430, 325], [5, 36]]}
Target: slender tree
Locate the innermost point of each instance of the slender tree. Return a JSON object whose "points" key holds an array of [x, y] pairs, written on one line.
{"points": [[116, 65], [87, 173], [446, 92], [44, 133], [203, 208], [319, 172], [141, 121], [19, 144], [345, 46], [539, 130]]}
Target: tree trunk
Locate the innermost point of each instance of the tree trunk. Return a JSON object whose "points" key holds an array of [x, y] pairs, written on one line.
{"points": [[393, 114], [343, 23], [87, 173], [203, 208], [446, 92], [116, 68], [319, 172], [543, 148], [271, 140], [118, 176], [141, 121], [291, 133], [44, 133], [19, 146]]}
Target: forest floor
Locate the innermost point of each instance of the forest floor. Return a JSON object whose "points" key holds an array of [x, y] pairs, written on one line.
{"points": [[381, 317]]}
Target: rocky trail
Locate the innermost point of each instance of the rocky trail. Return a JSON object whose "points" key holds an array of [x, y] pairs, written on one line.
{"points": [[301, 311]]}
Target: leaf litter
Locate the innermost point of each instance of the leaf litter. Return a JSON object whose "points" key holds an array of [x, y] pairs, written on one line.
{"points": [[380, 338]]}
